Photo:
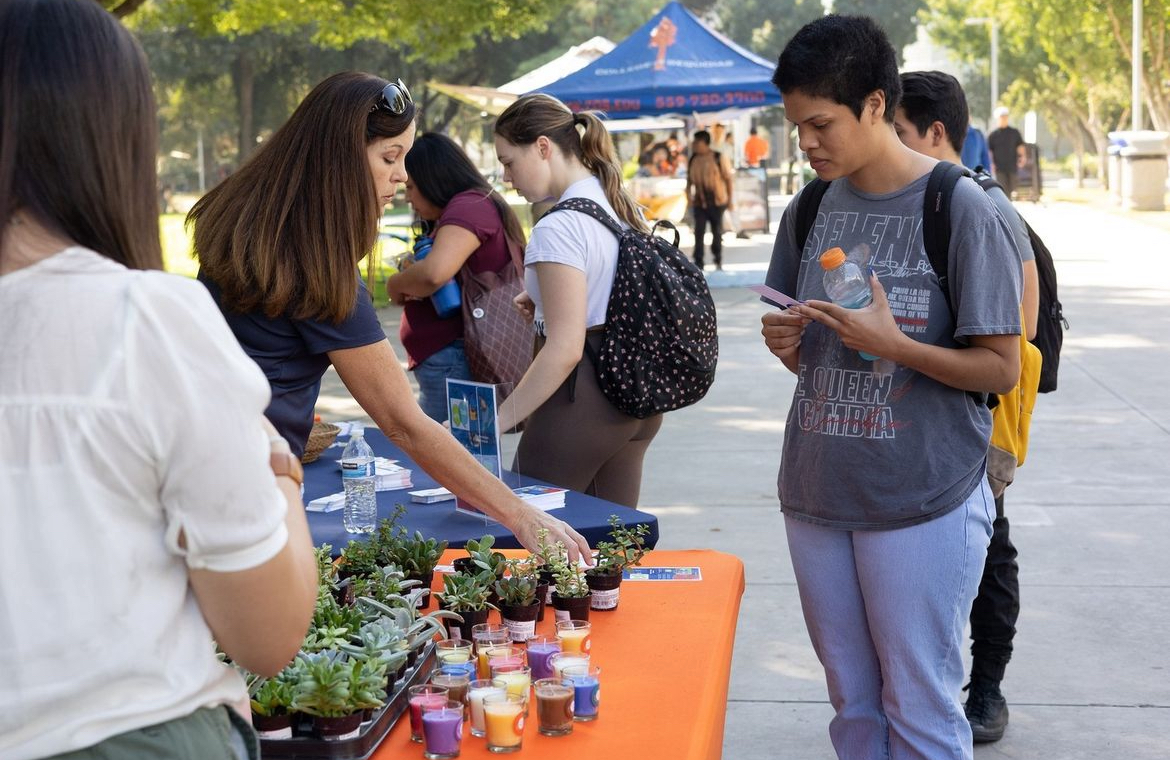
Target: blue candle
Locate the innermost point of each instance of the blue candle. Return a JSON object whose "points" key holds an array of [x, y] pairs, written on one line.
{"points": [[457, 668], [586, 696]]}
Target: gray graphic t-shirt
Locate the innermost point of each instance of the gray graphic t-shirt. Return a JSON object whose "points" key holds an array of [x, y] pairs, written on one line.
{"points": [[871, 444]]}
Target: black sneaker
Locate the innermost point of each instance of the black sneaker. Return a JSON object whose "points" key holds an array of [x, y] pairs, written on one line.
{"points": [[986, 710]]}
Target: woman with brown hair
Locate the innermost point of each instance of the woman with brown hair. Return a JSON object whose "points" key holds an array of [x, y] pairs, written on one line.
{"points": [[126, 506], [574, 436], [279, 242]]}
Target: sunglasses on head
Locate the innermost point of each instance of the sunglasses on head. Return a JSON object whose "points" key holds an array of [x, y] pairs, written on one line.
{"points": [[394, 99]]}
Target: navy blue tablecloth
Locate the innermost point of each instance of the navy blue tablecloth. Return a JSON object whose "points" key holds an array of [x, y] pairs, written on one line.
{"points": [[587, 514]]}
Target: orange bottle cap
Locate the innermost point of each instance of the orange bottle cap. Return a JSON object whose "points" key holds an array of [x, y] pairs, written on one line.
{"points": [[832, 258]]}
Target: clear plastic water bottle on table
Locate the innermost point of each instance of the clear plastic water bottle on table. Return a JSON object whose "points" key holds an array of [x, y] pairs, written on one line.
{"points": [[357, 475], [846, 284]]}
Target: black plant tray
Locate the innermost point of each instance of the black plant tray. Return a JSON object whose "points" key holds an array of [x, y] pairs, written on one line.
{"points": [[304, 746]]}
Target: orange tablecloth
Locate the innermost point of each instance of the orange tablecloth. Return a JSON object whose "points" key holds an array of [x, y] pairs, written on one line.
{"points": [[665, 659]]}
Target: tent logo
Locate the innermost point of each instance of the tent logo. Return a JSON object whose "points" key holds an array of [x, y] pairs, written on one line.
{"points": [[662, 37]]}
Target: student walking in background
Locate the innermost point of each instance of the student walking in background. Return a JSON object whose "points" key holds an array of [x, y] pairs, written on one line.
{"points": [[1007, 151], [710, 184], [278, 244], [884, 460], [151, 512], [574, 437]]}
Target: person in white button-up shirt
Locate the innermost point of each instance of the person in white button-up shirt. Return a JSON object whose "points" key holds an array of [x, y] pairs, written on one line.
{"points": [[140, 513]]}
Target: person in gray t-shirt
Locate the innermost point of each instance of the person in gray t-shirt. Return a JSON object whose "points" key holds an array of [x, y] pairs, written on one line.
{"points": [[882, 481], [932, 118]]}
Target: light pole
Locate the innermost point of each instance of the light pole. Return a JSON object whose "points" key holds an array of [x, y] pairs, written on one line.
{"points": [[994, 54], [1135, 94]]}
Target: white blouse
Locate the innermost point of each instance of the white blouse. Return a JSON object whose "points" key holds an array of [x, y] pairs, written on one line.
{"points": [[128, 412]]}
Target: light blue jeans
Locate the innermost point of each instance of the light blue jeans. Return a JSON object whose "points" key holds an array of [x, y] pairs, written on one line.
{"points": [[432, 373], [886, 611]]}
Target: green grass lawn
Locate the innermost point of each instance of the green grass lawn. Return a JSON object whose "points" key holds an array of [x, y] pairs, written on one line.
{"points": [[176, 245]]}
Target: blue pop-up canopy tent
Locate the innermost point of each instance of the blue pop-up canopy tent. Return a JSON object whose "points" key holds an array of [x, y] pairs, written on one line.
{"points": [[673, 64]]}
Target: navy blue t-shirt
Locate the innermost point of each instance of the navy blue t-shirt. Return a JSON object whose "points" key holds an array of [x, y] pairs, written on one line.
{"points": [[293, 354]]}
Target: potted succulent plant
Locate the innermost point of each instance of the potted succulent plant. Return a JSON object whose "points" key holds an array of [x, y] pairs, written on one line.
{"points": [[335, 691], [518, 603], [571, 594], [417, 557], [480, 556], [625, 549], [468, 596], [271, 700]]}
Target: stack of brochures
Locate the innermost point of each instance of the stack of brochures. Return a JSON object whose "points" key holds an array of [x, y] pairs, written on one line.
{"points": [[542, 497], [431, 495], [389, 475]]}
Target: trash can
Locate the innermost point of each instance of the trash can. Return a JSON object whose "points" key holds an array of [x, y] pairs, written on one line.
{"points": [[1143, 169], [1114, 175]]}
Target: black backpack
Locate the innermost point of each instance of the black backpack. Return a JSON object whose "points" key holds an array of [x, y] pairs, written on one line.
{"points": [[936, 237], [660, 345]]}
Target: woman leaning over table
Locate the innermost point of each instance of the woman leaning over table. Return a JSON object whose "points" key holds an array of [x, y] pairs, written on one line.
{"points": [[141, 515], [474, 228], [574, 437], [278, 244]]}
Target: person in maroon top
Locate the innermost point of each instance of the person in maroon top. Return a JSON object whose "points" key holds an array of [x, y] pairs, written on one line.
{"points": [[471, 225]]}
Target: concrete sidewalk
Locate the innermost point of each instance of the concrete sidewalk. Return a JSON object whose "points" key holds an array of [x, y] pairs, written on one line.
{"points": [[1090, 679]]}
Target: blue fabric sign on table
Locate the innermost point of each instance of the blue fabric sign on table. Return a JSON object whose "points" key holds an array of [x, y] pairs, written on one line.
{"points": [[587, 514]]}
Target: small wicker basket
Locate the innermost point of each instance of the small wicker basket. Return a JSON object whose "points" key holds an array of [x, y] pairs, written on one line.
{"points": [[321, 437]]}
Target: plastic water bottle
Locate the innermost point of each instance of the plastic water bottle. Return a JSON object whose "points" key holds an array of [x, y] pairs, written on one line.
{"points": [[846, 284], [448, 299], [357, 474]]}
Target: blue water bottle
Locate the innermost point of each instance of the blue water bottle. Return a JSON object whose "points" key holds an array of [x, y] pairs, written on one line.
{"points": [[447, 300]]}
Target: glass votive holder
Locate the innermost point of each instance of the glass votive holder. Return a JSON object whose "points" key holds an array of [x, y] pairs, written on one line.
{"points": [[487, 636], [554, 705], [476, 691], [574, 635], [586, 691], [558, 662], [515, 678], [417, 696], [539, 650], [503, 717], [505, 656], [442, 725], [454, 650], [455, 683]]}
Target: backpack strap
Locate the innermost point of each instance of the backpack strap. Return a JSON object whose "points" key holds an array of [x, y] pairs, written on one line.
{"points": [[936, 238], [936, 222], [807, 207], [590, 208]]}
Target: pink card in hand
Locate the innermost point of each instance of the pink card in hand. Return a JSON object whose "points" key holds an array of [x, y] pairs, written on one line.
{"points": [[773, 296]]}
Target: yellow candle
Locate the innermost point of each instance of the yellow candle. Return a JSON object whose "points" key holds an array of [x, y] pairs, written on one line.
{"points": [[455, 656], [574, 640], [504, 723], [514, 682]]}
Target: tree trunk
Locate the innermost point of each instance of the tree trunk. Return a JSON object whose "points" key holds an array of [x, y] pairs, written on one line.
{"points": [[244, 78]]}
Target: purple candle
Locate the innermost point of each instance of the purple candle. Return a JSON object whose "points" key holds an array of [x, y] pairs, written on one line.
{"points": [[538, 655], [443, 731]]}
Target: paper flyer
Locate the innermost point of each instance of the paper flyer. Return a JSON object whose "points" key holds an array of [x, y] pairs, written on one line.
{"points": [[662, 574]]}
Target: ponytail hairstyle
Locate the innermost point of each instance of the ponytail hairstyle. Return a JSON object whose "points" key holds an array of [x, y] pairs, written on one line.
{"points": [[532, 116]]}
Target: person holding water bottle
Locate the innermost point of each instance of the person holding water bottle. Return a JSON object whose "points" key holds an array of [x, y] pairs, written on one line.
{"points": [[278, 244], [469, 226], [882, 482]]}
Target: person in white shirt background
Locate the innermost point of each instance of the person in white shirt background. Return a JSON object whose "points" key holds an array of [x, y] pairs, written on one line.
{"points": [[148, 507]]}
